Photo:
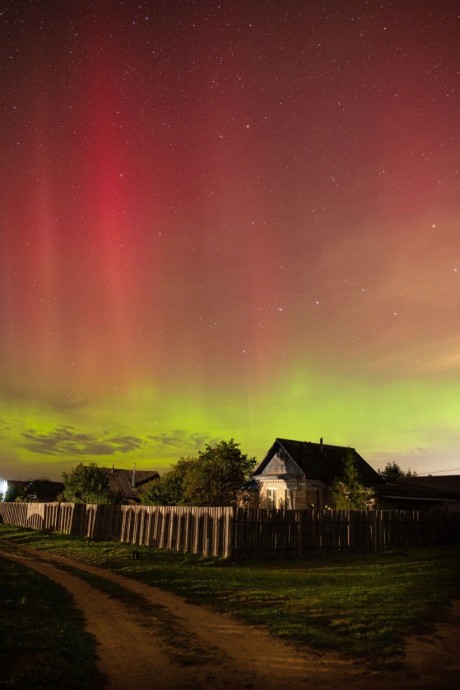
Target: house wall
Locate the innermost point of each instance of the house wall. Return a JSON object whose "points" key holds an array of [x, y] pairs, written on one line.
{"points": [[290, 492], [315, 492], [275, 492]]}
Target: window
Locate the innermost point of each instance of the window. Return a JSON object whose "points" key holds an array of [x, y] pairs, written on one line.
{"points": [[289, 500], [271, 498]]}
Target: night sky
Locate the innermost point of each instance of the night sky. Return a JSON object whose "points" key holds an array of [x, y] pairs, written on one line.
{"points": [[228, 219]]}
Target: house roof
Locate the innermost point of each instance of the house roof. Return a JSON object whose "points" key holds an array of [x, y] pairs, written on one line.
{"points": [[422, 489], [20, 483], [446, 482], [320, 460], [39, 490], [408, 491], [129, 483], [44, 490]]}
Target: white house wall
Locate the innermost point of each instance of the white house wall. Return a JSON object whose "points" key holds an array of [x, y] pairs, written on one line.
{"points": [[295, 493]]}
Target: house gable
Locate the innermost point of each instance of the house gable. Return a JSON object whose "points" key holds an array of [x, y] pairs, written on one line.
{"points": [[281, 464]]}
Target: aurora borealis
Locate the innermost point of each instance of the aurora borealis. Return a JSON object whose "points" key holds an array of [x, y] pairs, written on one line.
{"points": [[228, 219]]}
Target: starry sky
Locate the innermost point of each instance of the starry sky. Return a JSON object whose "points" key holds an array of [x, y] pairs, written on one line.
{"points": [[228, 220]]}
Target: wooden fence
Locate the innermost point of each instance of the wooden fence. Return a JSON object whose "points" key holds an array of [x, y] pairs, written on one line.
{"points": [[293, 533], [240, 532], [203, 531]]}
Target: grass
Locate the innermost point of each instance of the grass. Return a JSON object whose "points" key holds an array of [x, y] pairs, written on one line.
{"points": [[358, 605], [43, 641]]}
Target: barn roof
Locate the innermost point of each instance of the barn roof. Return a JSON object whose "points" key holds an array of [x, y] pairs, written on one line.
{"points": [[320, 460]]}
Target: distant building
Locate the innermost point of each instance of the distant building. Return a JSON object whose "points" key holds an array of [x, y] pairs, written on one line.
{"points": [[37, 491], [128, 485], [422, 493]]}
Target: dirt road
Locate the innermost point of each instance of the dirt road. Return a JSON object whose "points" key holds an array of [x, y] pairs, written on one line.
{"points": [[148, 638]]}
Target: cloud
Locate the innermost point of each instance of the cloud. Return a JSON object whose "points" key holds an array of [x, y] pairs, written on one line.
{"points": [[180, 442], [65, 440]]}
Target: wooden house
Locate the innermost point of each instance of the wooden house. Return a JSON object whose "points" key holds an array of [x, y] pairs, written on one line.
{"points": [[300, 474]]}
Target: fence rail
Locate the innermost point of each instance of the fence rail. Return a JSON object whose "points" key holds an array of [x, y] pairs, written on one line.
{"points": [[240, 532]]}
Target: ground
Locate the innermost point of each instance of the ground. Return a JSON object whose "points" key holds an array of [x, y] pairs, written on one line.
{"points": [[148, 638]]}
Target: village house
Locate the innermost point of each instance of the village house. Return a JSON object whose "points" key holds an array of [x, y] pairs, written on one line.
{"points": [[37, 491], [128, 485], [300, 474]]}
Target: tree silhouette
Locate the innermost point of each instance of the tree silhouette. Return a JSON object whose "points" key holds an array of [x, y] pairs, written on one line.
{"points": [[348, 491]]}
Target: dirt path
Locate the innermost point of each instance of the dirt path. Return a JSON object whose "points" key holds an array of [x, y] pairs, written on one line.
{"points": [[157, 640]]}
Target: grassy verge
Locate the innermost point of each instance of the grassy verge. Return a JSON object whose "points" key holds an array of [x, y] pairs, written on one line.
{"points": [[43, 641], [358, 605]]}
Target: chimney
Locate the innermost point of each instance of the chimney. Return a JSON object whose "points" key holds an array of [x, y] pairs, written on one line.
{"points": [[113, 469], [321, 444], [133, 480]]}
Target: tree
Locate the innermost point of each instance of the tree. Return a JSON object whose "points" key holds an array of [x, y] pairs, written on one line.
{"points": [[86, 484], [213, 479], [348, 491], [393, 472], [210, 479], [167, 490]]}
